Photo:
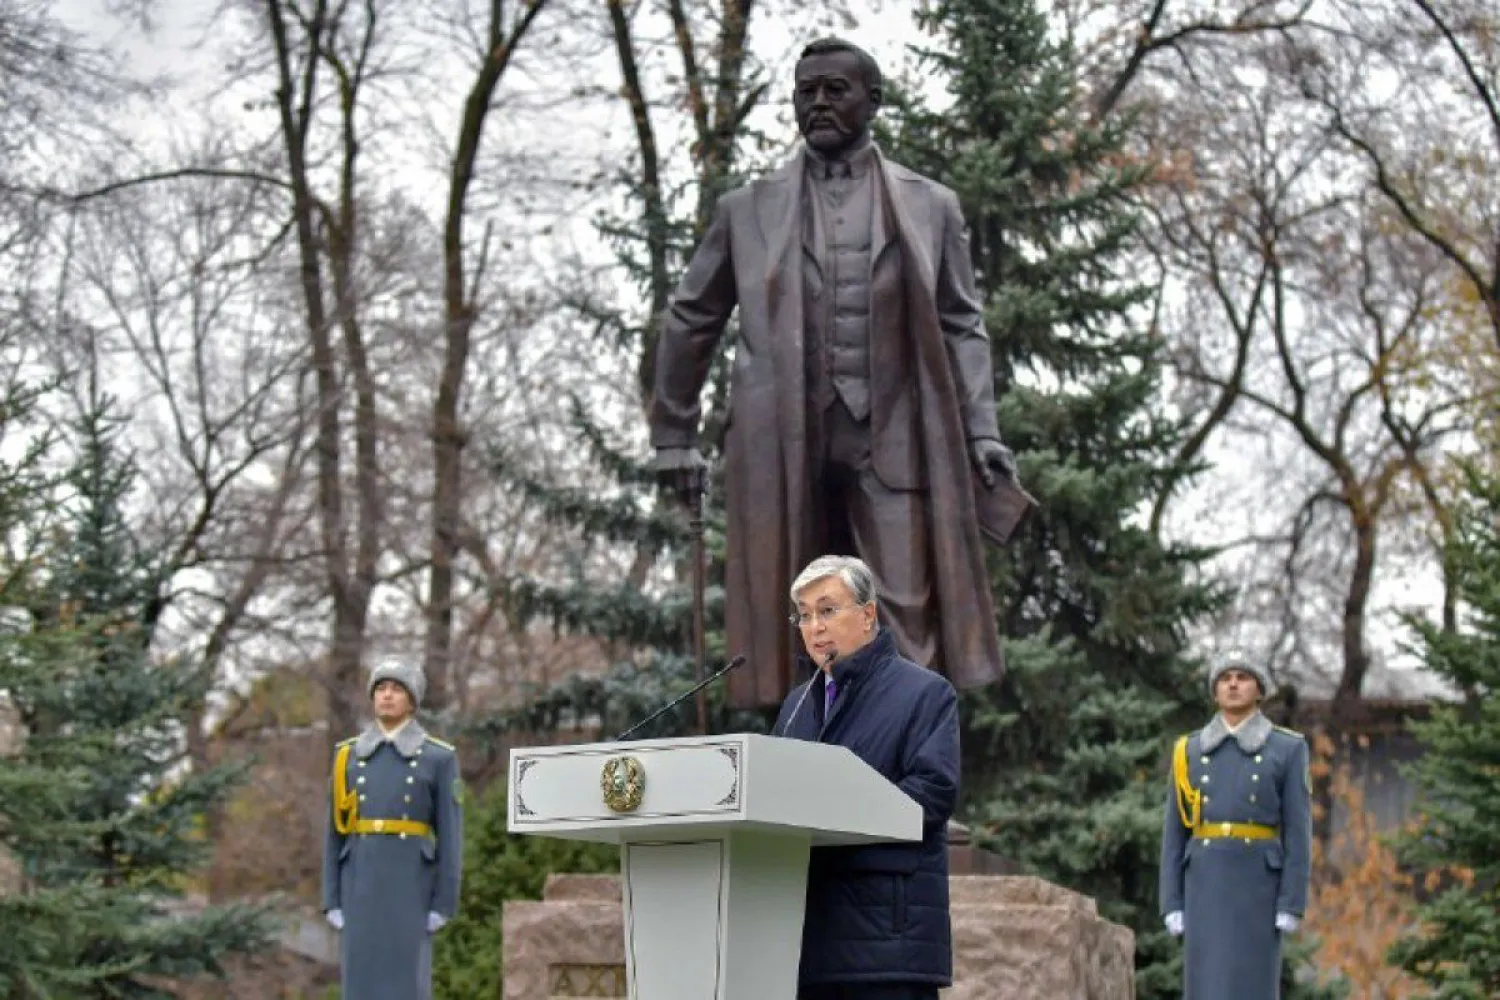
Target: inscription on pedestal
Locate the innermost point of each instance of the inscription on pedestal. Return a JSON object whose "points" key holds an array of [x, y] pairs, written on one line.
{"points": [[587, 981]]}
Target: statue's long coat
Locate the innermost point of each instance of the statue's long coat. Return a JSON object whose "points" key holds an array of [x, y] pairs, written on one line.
{"points": [[932, 391]]}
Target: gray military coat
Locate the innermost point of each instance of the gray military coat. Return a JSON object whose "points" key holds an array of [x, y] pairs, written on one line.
{"points": [[386, 884], [1230, 889]]}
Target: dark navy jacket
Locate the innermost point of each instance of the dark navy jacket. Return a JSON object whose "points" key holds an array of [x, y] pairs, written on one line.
{"points": [[879, 913]]}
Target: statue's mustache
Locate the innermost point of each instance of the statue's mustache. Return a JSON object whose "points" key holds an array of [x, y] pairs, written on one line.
{"points": [[816, 121]]}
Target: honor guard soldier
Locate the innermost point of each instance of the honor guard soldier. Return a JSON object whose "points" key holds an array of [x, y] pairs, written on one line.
{"points": [[1236, 842], [394, 850]]}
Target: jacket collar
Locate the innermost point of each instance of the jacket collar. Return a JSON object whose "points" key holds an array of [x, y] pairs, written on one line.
{"points": [[858, 663], [408, 742], [855, 664], [1251, 736]]}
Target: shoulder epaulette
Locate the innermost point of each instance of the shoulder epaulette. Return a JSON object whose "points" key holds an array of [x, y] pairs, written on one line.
{"points": [[1289, 732], [442, 743]]}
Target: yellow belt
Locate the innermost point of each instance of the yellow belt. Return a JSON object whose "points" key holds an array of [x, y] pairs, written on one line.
{"points": [[402, 826], [1236, 831]]}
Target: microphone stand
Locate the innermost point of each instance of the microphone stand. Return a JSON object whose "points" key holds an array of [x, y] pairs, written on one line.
{"points": [[696, 689]]}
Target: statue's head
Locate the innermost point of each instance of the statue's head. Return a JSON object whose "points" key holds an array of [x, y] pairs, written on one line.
{"points": [[837, 92]]}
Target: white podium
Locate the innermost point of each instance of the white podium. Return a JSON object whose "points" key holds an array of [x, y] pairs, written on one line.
{"points": [[714, 834]]}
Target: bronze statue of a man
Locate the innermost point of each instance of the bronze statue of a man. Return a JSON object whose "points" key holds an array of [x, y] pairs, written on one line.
{"points": [[861, 408]]}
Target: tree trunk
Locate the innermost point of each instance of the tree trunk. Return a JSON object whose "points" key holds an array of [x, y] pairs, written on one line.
{"points": [[448, 437]]}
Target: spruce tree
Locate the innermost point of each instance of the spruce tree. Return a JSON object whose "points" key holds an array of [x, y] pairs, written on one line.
{"points": [[1457, 950], [1064, 764], [650, 631], [98, 808]]}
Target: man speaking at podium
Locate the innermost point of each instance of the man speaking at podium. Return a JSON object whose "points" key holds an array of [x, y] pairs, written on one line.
{"points": [[876, 925]]}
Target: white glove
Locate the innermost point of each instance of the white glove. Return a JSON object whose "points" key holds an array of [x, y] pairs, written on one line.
{"points": [[336, 918], [1173, 921], [435, 922], [1286, 923]]}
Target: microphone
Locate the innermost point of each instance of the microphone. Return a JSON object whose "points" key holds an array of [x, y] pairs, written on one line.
{"points": [[827, 662], [732, 664]]}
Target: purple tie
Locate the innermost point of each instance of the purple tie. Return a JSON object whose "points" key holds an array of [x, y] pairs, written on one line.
{"points": [[830, 691]]}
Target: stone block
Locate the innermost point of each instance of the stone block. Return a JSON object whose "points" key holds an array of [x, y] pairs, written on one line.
{"points": [[1014, 937], [563, 947], [1029, 952]]}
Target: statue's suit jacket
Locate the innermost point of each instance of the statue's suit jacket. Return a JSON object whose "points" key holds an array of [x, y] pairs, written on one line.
{"points": [[932, 391]]}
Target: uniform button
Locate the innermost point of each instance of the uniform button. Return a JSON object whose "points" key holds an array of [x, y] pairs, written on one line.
{"points": [[407, 798], [410, 780], [1257, 758], [1254, 777], [362, 798], [362, 763], [1205, 779], [360, 780], [413, 763], [1204, 759], [1205, 800], [1252, 798]]}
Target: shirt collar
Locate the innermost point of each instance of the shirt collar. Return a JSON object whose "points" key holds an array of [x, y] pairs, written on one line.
{"points": [[855, 162]]}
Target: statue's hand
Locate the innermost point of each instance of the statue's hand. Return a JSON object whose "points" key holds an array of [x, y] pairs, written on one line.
{"points": [[991, 457], [681, 471]]}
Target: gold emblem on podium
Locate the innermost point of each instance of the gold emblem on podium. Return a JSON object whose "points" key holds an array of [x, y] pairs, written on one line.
{"points": [[623, 781]]}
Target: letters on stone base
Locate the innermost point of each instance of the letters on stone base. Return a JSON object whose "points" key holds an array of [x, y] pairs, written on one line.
{"points": [[1015, 937]]}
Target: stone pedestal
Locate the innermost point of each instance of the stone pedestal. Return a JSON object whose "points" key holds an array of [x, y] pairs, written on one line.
{"points": [[571, 944], [1014, 938], [1022, 938]]}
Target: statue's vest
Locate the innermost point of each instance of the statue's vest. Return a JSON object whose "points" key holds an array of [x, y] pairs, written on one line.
{"points": [[838, 220]]}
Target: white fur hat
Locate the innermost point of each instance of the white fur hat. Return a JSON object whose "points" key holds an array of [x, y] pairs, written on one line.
{"points": [[407, 675], [1232, 661]]}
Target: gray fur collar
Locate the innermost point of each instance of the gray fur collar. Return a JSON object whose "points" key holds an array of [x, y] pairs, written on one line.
{"points": [[1251, 736], [407, 742]]}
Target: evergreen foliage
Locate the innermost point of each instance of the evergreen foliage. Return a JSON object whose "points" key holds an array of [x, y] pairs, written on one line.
{"points": [[97, 809], [1065, 761], [1457, 950], [654, 628]]}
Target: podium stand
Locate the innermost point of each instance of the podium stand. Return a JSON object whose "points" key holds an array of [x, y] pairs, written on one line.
{"points": [[714, 833]]}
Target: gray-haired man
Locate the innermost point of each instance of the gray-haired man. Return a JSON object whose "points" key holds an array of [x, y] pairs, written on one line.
{"points": [[876, 925], [394, 849]]}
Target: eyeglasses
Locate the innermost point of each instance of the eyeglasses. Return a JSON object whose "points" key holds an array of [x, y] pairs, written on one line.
{"points": [[823, 615]]}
